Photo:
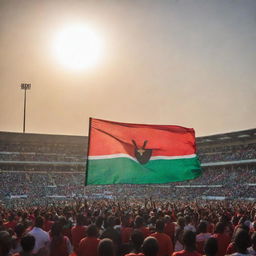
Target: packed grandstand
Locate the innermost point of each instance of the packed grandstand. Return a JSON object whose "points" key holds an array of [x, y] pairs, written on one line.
{"points": [[49, 168]]}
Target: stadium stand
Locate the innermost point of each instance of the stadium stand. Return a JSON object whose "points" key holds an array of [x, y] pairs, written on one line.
{"points": [[51, 167]]}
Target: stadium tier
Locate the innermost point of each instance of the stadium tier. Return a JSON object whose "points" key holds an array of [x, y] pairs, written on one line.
{"points": [[41, 167]]}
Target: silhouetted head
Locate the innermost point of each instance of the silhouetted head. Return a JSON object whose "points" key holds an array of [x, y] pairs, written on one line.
{"points": [[160, 225], [92, 230], [39, 222], [202, 227], [106, 247], [5, 243], [27, 243], [189, 240], [150, 246], [211, 247], [242, 241], [19, 229], [181, 221], [220, 227], [137, 238], [56, 229], [138, 222], [80, 220]]}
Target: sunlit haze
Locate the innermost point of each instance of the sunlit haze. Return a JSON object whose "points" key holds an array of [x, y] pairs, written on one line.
{"points": [[78, 47], [189, 63]]}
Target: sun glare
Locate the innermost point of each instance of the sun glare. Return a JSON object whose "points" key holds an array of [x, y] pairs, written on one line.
{"points": [[78, 47]]}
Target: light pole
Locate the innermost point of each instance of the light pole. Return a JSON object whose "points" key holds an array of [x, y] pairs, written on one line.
{"points": [[25, 87]]}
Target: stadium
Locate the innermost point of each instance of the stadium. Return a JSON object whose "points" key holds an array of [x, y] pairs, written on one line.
{"points": [[52, 167], [165, 91]]}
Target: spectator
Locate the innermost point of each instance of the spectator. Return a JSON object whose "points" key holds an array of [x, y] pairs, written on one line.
{"points": [[211, 247], [222, 238], [27, 245], [242, 242], [169, 227], [189, 225], [60, 245], [164, 241], [19, 232], [88, 246], [141, 227], [5, 243], [47, 222], [137, 239], [42, 238], [179, 234], [106, 247], [11, 223], [252, 249], [78, 232], [150, 246], [189, 241], [112, 233], [202, 236], [126, 230]]}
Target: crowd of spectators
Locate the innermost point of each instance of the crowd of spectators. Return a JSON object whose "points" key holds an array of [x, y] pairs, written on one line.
{"points": [[227, 153], [226, 182], [142, 227], [49, 157], [61, 148], [44, 181]]}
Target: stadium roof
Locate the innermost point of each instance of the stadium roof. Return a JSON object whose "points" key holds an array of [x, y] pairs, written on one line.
{"points": [[46, 138], [239, 135]]}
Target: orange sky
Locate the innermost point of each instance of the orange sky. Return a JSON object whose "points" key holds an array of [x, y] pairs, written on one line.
{"points": [[189, 63]]}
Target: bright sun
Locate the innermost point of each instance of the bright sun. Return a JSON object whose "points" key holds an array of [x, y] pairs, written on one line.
{"points": [[78, 47]]}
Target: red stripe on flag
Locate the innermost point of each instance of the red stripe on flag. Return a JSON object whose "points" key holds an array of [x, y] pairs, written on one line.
{"points": [[108, 137]]}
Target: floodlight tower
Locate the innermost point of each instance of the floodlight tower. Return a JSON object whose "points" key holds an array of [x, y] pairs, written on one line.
{"points": [[25, 87]]}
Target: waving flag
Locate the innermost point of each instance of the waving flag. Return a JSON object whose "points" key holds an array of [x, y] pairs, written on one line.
{"points": [[125, 153]]}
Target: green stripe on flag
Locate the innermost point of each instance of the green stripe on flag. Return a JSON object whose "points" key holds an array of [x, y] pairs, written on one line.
{"points": [[127, 171]]}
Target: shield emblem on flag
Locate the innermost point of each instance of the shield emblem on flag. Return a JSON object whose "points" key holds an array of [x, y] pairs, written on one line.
{"points": [[141, 153]]}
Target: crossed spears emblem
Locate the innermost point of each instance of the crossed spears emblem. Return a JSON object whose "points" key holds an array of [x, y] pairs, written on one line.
{"points": [[142, 154]]}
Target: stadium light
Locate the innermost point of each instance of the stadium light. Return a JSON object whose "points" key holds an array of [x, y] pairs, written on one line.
{"points": [[25, 87]]}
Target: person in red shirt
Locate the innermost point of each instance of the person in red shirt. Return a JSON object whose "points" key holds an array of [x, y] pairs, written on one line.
{"points": [[231, 247], [10, 223], [169, 227], [222, 237], [189, 242], [210, 226], [137, 239], [164, 241], [66, 225], [60, 245], [78, 232], [202, 236], [139, 225], [48, 222], [126, 230], [88, 246]]}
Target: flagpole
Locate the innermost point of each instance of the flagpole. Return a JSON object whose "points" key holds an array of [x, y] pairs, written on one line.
{"points": [[88, 147]]}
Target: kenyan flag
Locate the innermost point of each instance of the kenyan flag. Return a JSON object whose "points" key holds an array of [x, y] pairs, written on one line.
{"points": [[124, 153]]}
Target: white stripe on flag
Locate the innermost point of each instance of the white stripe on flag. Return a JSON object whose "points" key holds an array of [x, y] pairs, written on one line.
{"points": [[133, 158]]}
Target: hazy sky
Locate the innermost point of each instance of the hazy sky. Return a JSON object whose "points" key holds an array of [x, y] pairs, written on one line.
{"points": [[184, 62]]}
